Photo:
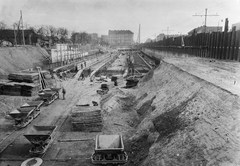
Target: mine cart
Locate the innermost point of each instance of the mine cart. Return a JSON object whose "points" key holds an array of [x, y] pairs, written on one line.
{"points": [[26, 113], [109, 149], [40, 137], [103, 89], [36, 104], [49, 95]]}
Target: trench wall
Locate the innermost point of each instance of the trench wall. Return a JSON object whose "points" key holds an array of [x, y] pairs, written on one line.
{"points": [[13, 59], [190, 121]]}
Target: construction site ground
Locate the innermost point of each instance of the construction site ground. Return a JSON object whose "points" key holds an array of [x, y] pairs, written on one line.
{"points": [[183, 112]]}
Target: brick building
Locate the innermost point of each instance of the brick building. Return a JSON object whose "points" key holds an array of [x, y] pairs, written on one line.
{"points": [[120, 37]]}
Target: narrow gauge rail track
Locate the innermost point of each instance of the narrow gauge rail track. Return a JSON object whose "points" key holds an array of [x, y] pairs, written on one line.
{"points": [[15, 134], [141, 61]]}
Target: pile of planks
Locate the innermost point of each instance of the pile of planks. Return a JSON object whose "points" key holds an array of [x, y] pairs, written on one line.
{"points": [[18, 88], [23, 83], [29, 77], [85, 118]]}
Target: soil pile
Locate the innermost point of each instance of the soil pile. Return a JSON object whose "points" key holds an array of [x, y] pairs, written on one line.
{"points": [[185, 120], [13, 59]]}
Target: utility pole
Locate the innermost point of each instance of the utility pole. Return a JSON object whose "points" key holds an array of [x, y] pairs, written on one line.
{"points": [[139, 31], [15, 39], [167, 31], [21, 19], [205, 15]]}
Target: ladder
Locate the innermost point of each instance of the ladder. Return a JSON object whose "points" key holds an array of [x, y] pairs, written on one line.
{"points": [[42, 81]]}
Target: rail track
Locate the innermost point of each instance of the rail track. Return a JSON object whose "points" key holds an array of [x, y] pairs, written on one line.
{"points": [[15, 134]]}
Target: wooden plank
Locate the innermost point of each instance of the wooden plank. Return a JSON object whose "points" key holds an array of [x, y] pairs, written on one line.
{"points": [[233, 43], [197, 46], [236, 49], [212, 40], [201, 44], [229, 45], [207, 50], [220, 46], [224, 45], [215, 44]]}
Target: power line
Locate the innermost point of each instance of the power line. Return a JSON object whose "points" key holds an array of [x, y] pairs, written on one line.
{"points": [[213, 6], [205, 15], [167, 31]]}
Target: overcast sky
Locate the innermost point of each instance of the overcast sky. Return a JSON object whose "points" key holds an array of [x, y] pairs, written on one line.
{"points": [[99, 16]]}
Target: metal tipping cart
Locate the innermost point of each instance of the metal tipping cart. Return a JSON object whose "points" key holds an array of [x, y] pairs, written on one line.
{"points": [[109, 149], [26, 113], [49, 95], [40, 137]]}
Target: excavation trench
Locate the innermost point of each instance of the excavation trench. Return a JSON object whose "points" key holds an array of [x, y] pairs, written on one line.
{"points": [[177, 119]]}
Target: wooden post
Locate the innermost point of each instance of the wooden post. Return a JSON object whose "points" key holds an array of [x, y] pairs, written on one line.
{"points": [[211, 45], [207, 45], [236, 46], [215, 45], [229, 45], [224, 43], [220, 46], [233, 43]]}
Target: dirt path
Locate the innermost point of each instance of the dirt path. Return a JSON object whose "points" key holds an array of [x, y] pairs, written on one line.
{"points": [[77, 91], [116, 121]]}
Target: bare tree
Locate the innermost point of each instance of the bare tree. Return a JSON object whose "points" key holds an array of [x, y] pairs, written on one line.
{"points": [[62, 34], [52, 31], [15, 25], [42, 30], [3, 25]]}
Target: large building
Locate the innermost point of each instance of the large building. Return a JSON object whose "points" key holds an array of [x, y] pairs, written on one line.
{"points": [[104, 38], [160, 37], [207, 29], [120, 38]]}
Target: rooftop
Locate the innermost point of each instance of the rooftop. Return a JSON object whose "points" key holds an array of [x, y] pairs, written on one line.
{"points": [[120, 32]]}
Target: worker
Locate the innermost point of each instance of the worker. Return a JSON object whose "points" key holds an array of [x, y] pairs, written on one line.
{"points": [[60, 74], [89, 71], [63, 92], [64, 75], [85, 63], [82, 76], [115, 83]]}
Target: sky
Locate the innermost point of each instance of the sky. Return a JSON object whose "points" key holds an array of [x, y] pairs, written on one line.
{"points": [[99, 16]]}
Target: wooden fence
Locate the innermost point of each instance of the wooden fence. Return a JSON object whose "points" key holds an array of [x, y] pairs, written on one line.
{"points": [[219, 45]]}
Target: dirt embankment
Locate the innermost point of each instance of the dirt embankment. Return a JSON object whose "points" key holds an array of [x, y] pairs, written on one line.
{"points": [[184, 120], [13, 59]]}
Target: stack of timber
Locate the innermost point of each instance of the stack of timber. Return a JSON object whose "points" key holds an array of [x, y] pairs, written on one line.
{"points": [[25, 76], [24, 83], [86, 118], [18, 88]]}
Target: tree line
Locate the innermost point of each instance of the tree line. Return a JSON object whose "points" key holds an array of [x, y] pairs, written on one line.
{"points": [[58, 35]]}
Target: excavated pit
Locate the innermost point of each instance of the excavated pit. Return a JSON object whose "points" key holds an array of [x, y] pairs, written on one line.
{"points": [[182, 120], [118, 67]]}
